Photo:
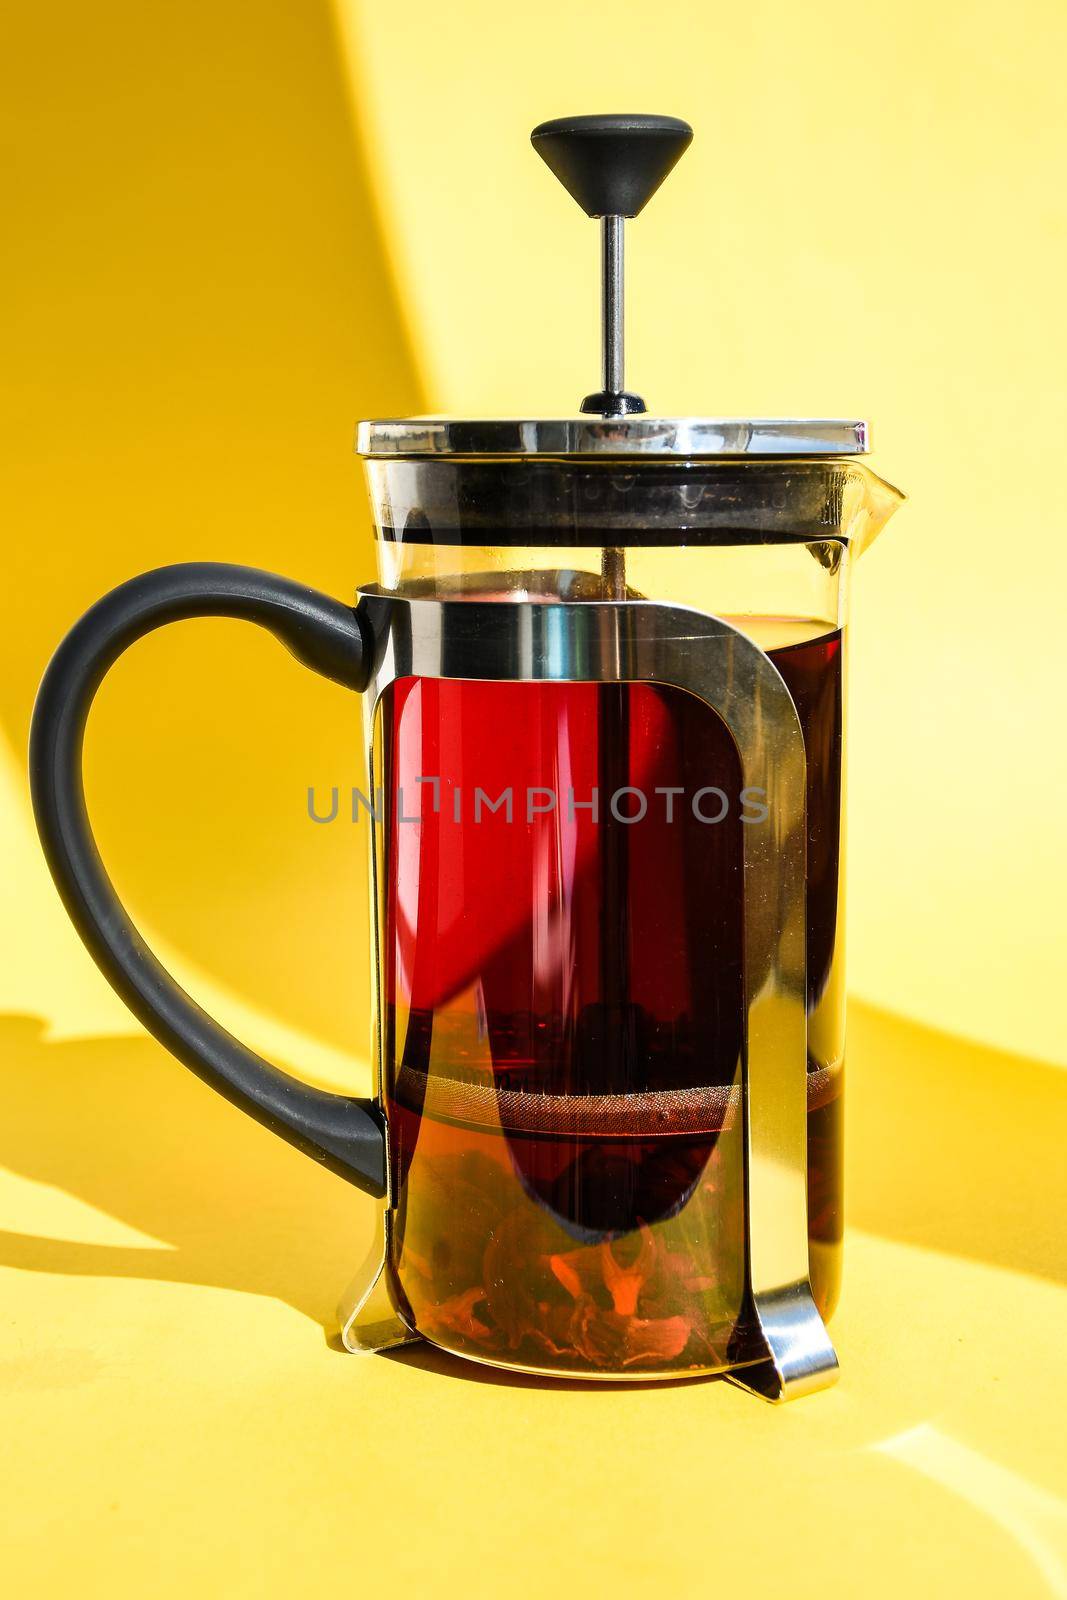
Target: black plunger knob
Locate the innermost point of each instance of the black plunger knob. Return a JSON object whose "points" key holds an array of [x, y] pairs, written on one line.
{"points": [[612, 166]]}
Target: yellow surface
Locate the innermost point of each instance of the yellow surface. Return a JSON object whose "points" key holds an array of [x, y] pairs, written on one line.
{"points": [[176, 1419], [233, 229]]}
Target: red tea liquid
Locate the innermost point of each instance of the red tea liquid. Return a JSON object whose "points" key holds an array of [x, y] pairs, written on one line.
{"points": [[563, 1015]]}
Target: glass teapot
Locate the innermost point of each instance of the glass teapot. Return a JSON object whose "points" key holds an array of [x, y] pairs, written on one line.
{"points": [[603, 678]]}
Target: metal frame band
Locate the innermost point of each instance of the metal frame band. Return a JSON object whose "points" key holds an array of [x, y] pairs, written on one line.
{"points": [[640, 435], [641, 641]]}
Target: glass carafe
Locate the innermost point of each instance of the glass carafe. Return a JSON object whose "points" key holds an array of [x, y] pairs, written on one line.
{"points": [[561, 943]]}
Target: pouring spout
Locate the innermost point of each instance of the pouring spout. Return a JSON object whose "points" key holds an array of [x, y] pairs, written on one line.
{"points": [[876, 504]]}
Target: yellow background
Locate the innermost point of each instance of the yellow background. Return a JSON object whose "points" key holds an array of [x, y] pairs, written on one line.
{"points": [[231, 230]]}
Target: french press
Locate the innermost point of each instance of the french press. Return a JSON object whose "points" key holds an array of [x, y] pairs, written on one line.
{"points": [[603, 679]]}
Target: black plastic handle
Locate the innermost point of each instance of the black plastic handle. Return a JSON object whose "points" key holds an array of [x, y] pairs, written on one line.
{"points": [[346, 1135]]}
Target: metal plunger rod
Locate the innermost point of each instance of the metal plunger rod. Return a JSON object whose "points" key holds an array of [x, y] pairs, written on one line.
{"points": [[612, 301], [612, 166], [613, 757], [613, 305]]}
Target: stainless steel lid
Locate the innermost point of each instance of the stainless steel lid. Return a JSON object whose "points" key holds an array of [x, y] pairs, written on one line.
{"points": [[640, 435]]}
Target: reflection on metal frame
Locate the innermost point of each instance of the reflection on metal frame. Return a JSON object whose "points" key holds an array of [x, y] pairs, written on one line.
{"points": [[631, 641], [671, 438]]}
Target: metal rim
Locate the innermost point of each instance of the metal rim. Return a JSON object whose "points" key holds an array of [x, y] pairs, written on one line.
{"points": [[641, 435]]}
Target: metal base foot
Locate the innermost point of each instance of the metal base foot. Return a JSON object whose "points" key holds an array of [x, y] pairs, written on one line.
{"points": [[801, 1359], [368, 1314]]}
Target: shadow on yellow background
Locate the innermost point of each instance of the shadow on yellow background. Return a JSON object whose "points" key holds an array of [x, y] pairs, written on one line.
{"points": [[951, 1148], [200, 306]]}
